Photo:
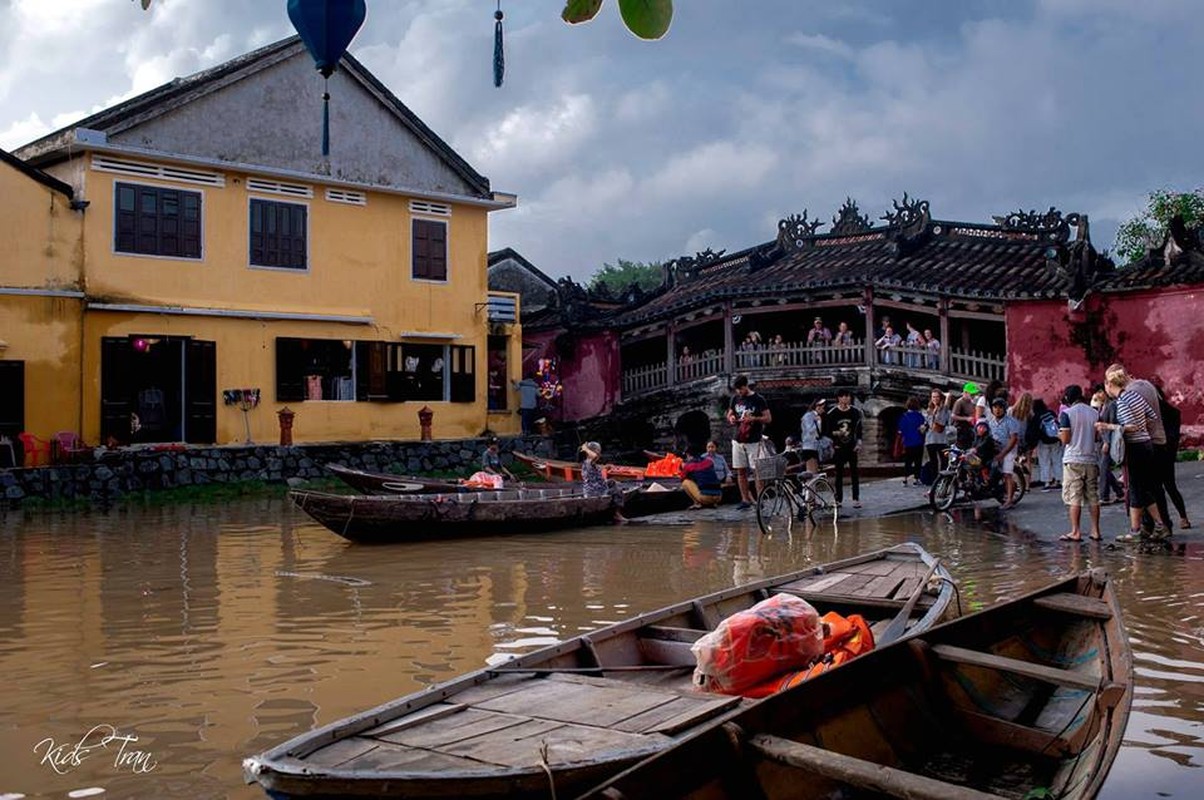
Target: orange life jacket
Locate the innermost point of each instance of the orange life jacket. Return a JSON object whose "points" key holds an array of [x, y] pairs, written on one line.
{"points": [[845, 638], [667, 467]]}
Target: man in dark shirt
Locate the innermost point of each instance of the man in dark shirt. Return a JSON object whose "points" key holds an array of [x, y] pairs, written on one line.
{"points": [[843, 425], [749, 412]]}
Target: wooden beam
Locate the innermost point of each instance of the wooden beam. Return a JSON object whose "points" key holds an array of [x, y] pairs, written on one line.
{"points": [[859, 772], [1054, 675], [993, 730], [1075, 604]]}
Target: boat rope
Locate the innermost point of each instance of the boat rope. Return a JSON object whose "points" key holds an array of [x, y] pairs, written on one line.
{"points": [[347, 522], [547, 768]]}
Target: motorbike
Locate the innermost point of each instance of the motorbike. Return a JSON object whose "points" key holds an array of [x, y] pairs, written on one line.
{"points": [[963, 478]]}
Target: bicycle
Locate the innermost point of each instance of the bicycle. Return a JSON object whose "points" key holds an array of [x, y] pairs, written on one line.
{"points": [[794, 498]]}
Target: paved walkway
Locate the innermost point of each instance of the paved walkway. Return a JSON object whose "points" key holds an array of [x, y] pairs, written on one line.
{"points": [[1041, 513]]}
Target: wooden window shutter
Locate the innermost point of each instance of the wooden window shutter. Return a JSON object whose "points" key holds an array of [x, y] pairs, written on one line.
{"points": [[290, 382], [463, 374], [430, 250]]}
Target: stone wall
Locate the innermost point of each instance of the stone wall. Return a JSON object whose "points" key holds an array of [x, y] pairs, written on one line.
{"points": [[116, 473]]}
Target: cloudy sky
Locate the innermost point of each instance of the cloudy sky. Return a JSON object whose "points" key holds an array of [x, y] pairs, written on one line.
{"points": [[745, 113]]}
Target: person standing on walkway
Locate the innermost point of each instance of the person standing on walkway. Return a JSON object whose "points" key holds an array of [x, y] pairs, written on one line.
{"points": [[1006, 431], [1049, 446], [528, 402], [936, 437], [963, 415], [1109, 484], [843, 426], [1172, 422], [911, 426], [1080, 468], [1157, 432], [1135, 416], [749, 412], [811, 429]]}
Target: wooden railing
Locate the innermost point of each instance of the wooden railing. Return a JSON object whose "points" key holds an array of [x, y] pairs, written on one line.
{"points": [[970, 364], [645, 379], [799, 354], [980, 366], [908, 357], [706, 364]]}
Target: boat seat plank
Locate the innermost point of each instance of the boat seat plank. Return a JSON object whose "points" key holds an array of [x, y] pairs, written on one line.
{"points": [[685, 708], [862, 774], [689, 635], [572, 702], [340, 752], [883, 587], [411, 759], [884, 566], [814, 583], [1068, 603], [906, 588], [522, 746], [1002, 733], [825, 600], [427, 714], [457, 727], [664, 651], [1054, 675], [502, 684]]}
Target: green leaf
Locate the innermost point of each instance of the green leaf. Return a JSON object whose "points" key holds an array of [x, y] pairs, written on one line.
{"points": [[580, 10], [647, 19]]}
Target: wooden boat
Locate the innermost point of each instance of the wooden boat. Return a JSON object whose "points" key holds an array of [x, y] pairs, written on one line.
{"points": [[575, 713], [381, 518], [1028, 695], [384, 483], [557, 470]]}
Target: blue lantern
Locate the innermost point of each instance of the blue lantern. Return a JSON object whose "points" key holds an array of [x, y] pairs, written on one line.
{"points": [[327, 28]]}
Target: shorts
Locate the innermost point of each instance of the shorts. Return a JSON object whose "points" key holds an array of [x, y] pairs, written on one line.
{"points": [[1080, 484], [745, 453], [1009, 464]]}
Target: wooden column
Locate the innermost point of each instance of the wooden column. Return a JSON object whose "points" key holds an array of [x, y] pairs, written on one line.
{"points": [[671, 360], [869, 327], [942, 305], [729, 344]]}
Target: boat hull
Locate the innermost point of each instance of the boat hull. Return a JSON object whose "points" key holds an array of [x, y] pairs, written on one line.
{"points": [[1030, 695], [378, 519], [584, 709]]}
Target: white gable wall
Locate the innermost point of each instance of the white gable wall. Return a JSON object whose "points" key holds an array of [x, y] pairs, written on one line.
{"points": [[274, 118]]}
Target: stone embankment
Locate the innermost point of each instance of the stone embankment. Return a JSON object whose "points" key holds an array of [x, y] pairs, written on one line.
{"points": [[110, 475]]}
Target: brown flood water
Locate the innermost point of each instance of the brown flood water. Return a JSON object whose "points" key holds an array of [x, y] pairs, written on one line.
{"points": [[213, 632]]}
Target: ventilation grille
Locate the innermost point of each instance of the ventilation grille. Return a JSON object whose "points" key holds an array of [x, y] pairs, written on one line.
{"points": [[433, 209], [276, 187], [146, 169], [347, 196]]}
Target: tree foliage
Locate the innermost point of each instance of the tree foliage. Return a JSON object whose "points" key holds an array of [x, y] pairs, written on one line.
{"points": [[647, 19], [617, 277], [1148, 229]]}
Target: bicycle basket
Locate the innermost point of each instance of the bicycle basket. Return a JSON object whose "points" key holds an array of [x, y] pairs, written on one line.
{"points": [[770, 468]]}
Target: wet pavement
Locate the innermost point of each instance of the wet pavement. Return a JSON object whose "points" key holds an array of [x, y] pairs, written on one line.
{"points": [[1040, 513]]}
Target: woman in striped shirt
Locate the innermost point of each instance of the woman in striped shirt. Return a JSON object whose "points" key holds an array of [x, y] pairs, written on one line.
{"points": [[1133, 415]]}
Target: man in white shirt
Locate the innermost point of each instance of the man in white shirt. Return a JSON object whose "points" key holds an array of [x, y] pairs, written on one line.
{"points": [[1080, 466]]}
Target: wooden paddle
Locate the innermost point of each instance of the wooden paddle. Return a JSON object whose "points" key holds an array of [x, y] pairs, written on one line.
{"points": [[898, 625]]}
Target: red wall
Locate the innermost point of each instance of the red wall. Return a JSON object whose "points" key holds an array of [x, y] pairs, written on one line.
{"points": [[590, 376], [1151, 333]]}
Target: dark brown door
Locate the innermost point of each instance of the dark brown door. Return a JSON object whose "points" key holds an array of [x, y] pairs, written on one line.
{"points": [[200, 392], [116, 359]]}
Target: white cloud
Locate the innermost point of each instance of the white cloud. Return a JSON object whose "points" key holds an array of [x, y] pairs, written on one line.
{"points": [[819, 43], [531, 137]]}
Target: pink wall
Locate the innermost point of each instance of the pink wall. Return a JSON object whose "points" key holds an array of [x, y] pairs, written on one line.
{"points": [[1150, 332], [590, 376]]}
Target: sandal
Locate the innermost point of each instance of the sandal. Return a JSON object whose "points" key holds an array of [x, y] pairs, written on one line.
{"points": [[1096, 538], [1131, 536], [1066, 537], [1185, 523]]}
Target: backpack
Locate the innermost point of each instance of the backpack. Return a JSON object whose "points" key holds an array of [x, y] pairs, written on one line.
{"points": [[1049, 428]]}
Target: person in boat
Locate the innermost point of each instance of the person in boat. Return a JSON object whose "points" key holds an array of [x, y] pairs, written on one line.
{"points": [[699, 480], [593, 477], [491, 460]]}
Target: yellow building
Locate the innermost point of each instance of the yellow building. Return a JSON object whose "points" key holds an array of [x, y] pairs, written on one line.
{"points": [[220, 253]]}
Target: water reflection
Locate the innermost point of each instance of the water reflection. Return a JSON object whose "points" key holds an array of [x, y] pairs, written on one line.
{"points": [[214, 632]]}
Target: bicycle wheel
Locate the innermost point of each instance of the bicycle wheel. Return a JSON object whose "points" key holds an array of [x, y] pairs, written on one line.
{"points": [[943, 492], [819, 499], [1021, 476], [775, 508]]}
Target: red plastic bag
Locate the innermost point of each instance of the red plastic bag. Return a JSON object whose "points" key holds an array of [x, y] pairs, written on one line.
{"points": [[777, 635]]}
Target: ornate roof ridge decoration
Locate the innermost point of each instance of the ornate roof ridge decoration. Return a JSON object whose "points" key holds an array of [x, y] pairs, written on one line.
{"points": [[686, 268], [796, 231], [911, 215], [850, 220], [1050, 225]]}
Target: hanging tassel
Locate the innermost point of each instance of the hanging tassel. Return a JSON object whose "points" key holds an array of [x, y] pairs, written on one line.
{"points": [[326, 118], [499, 58]]}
